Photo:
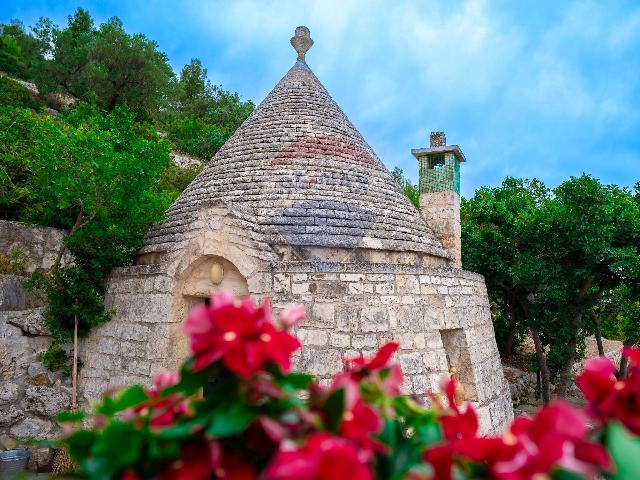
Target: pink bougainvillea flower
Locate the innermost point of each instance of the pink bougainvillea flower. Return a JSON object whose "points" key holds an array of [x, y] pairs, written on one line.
{"points": [[556, 438], [457, 426], [323, 457], [165, 380], [360, 423], [239, 334], [391, 375], [610, 398], [378, 361], [202, 459], [292, 316]]}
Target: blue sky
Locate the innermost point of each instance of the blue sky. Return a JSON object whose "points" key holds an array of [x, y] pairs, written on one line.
{"points": [[543, 89]]}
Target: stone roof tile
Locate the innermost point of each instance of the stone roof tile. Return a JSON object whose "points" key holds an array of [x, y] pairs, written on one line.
{"points": [[307, 175]]}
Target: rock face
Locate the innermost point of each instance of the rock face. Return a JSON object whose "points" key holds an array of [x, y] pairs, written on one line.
{"points": [[39, 245], [296, 206], [31, 322], [30, 394]]}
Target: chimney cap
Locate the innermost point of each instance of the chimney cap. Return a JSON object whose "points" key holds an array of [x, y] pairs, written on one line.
{"points": [[438, 145], [437, 139]]}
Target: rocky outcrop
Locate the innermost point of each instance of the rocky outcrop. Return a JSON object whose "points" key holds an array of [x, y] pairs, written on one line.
{"points": [[30, 394], [39, 246], [31, 322]]}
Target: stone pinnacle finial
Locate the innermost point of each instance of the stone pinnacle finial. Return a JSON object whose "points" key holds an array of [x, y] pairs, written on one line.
{"points": [[301, 42]]}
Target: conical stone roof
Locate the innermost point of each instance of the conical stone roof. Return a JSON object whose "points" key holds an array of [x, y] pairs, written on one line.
{"points": [[306, 175]]}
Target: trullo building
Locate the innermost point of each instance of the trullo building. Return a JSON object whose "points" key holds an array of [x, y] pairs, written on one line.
{"points": [[297, 206]]}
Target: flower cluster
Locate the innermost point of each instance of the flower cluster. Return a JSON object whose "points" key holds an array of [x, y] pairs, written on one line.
{"points": [[236, 411], [611, 398]]}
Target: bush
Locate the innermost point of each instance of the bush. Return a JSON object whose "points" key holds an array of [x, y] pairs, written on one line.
{"points": [[12, 263], [12, 94], [259, 420], [175, 178], [195, 137]]}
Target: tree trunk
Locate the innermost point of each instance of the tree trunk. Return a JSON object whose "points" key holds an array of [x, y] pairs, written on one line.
{"points": [[624, 361], [598, 334], [567, 367], [545, 389], [507, 349], [74, 374]]}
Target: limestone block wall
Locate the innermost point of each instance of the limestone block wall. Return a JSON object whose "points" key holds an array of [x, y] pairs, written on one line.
{"points": [[440, 318], [143, 337], [30, 395], [441, 210]]}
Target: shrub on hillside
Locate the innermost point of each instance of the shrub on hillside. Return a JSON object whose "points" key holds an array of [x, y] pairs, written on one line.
{"points": [[13, 94]]}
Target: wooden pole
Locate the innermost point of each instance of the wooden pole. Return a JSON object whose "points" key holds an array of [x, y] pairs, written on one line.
{"points": [[74, 374]]}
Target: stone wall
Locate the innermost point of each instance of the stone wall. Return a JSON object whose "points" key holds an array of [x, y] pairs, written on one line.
{"points": [[441, 211], [141, 340], [438, 316], [39, 245], [30, 395]]}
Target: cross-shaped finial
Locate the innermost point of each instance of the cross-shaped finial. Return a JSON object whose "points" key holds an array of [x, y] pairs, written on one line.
{"points": [[301, 42]]}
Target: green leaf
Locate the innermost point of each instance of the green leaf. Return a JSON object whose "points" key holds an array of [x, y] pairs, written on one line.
{"points": [[625, 450], [190, 381], [428, 433], [120, 443], [297, 380], [125, 399], [180, 431], [64, 417], [334, 409], [231, 421], [565, 475]]}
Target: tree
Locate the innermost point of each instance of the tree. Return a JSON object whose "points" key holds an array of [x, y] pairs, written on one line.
{"points": [[105, 66], [587, 238], [202, 116], [63, 67], [18, 50], [97, 176], [410, 190], [495, 240], [549, 257]]}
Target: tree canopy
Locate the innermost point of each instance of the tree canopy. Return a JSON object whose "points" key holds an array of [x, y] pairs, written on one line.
{"points": [[98, 177], [548, 257]]}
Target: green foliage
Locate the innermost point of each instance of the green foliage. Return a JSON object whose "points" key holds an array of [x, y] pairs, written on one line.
{"points": [[105, 66], [195, 137], [15, 95], [19, 131], [18, 50], [175, 178], [201, 116], [549, 256], [409, 188], [625, 451], [55, 358], [97, 176], [12, 263], [620, 314]]}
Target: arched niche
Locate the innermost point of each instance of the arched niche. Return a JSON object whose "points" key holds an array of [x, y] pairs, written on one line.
{"points": [[198, 286], [200, 281]]}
